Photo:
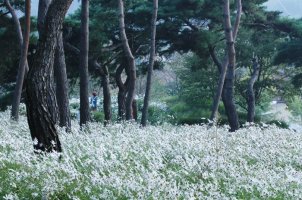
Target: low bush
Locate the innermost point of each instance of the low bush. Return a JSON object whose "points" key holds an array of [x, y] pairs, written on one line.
{"points": [[280, 124], [98, 116]]}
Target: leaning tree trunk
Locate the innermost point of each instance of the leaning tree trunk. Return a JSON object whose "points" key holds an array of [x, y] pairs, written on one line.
{"points": [[151, 64], [131, 62], [106, 91], [250, 91], [62, 84], [18, 30], [84, 76], [227, 67], [23, 66], [122, 90], [40, 94]]}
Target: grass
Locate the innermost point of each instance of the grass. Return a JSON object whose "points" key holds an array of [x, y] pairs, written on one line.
{"points": [[124, 161]]}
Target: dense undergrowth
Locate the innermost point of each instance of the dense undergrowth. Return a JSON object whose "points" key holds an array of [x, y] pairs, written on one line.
{"points": [[124, 161]]}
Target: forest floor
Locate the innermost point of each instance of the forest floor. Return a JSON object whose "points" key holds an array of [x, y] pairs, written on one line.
{"points": [[124, 161]]}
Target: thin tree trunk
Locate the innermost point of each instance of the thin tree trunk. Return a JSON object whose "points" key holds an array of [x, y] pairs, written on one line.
{"points": [[105, 81], [134, 109], [84, 76], [16, 22], [18, 28], [62, 84], [228, 65], [250, 91], [106, 96], [23, 66], [131, 62], [151, 64], [219, 89], [40, 93], [106, 91], [121, 93]]}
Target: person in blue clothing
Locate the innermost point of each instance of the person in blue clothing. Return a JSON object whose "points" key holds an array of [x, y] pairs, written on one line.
{"points": [[93, 101]]}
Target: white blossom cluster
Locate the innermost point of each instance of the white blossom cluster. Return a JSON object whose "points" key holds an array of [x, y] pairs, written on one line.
{"points": [[124, 161]]}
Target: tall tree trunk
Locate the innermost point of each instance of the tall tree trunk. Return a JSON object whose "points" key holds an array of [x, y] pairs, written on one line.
{"points": [[228, 89], [23, 66], [60, 69], [227, 65], [40, 93], [84, 76], [134, 109], [42, 11], [121, 93], [16, 22], [106, 95], [151, 64], [106, 91], [62, 84], [250, 91], [131, 62]]}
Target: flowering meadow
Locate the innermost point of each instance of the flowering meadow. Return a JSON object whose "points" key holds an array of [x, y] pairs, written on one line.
{"points": [[124, 161]]}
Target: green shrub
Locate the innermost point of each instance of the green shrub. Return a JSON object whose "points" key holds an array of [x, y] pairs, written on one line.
{"points": [[157, 115], [184, 114], [295, 107], [242, 116], [74, 106], [280, 124], [98, 116]]}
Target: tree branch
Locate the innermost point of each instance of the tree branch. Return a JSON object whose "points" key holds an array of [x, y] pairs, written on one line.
{"points": [[237, 21], [214, 58], [4, 14]]}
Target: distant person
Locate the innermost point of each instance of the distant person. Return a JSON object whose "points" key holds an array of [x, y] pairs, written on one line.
{"points": [[93, 101]]}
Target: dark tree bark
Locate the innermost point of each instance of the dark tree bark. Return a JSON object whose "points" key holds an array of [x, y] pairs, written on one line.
{"points": [[131, 62], [62, 84], [42, 11], [84, 76], [40, 95], [151, 64], [105, 80], [23, 66], [106, 96], [121, 98], [134, 109], [16, 22], [215, 59], [250, 91], [228, 89], [18, 29], [222, 69], [227, 69], [60, 69], [106, 91]]}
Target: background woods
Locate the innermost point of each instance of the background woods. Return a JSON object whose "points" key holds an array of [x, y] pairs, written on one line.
{"points": [[176, 61]]}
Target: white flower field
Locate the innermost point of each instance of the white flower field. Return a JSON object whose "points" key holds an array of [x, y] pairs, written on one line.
{"points": [[124, 161]]}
